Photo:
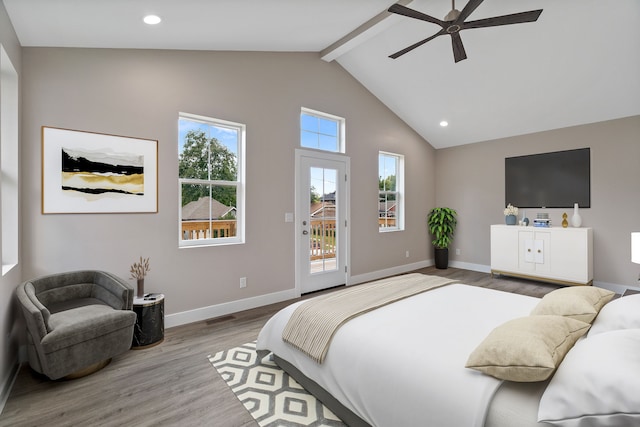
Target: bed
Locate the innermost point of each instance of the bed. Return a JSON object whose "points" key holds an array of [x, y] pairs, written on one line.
{"points": [[405, 363]]}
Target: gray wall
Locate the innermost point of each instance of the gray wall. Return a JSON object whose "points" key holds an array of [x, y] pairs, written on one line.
{"points": [[471, 179], [140, 92], [9, 329]]}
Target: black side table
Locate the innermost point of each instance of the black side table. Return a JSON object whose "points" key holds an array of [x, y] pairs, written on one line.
{"points": [[149, 328]]}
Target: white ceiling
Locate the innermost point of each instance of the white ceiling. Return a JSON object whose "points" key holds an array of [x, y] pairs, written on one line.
{"points": [[579, 63]]}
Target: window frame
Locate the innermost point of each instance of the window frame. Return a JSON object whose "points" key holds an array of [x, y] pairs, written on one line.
{"points": [[326, 116], [399, 192], [239, 184], [9, 165]]}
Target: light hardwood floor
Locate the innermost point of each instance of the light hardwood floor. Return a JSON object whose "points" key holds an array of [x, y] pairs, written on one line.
{"points": [[173, 383]]}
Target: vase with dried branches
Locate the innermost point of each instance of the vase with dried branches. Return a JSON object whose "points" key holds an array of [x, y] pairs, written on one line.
{"points": [[138, 271]]}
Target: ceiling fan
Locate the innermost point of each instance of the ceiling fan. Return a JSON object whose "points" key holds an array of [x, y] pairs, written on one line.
{"points": [[454, 22]]}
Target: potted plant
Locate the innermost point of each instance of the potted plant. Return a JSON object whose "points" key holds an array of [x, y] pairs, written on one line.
{"points": [[442, 224]]}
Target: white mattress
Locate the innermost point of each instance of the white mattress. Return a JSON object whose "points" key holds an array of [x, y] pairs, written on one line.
{"points": [[403, 364]]}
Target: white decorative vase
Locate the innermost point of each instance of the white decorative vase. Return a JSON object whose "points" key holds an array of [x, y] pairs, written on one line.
{"points": [[576, 219]]}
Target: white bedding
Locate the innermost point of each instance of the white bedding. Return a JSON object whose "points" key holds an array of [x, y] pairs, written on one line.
{"points": [[403, 364]]}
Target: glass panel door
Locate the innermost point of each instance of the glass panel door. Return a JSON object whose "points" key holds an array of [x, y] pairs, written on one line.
{"points": [[321, 227]]}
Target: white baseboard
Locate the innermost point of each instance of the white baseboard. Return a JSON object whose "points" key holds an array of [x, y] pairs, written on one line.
{"points": [[379, 274], [468, 266], [374, 275], [204, 313], [7, 385]]}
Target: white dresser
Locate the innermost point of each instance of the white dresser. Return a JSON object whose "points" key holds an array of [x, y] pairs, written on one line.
{"points": [[554, 254]]}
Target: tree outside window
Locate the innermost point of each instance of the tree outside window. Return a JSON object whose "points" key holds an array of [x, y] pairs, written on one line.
{"points": [[211, 181]]}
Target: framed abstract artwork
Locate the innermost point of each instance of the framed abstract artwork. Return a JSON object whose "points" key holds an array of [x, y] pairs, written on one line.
{"points": [[86, 172]]}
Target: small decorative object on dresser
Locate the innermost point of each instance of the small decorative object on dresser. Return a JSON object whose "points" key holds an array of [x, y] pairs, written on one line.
{"points": [[510, 214], [542, 220], [565, 223], [576, 219], [525, 220], [138, 271]]}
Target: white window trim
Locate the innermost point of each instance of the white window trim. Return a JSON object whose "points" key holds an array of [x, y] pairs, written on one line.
{"points": [[399, 194], [240, 184], [9, 174], [341, 129]]}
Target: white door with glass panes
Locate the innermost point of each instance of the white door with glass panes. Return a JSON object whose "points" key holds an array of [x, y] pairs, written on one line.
{"points": [[321, 220]]}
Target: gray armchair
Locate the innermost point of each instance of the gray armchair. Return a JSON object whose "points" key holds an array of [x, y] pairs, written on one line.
{"points": [[76, 322]]}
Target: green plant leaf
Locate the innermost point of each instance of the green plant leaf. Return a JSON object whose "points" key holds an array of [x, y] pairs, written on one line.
{"points": [[441, 223]]}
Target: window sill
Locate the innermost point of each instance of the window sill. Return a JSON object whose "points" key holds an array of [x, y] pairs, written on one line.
{"points": [[6, 268], [389, 230], [208, 244]]}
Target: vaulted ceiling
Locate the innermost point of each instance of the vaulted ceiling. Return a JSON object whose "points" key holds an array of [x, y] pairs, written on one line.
{"points": [[578, 63]]}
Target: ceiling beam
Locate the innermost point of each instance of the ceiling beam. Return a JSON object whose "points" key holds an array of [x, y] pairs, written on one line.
{"points": [[364, 32]]}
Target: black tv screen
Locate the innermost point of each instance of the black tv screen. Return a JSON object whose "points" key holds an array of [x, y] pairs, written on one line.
{"points": [[549, 180]]}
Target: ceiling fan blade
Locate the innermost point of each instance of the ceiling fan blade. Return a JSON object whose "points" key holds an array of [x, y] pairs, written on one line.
{"points": [[459, 53], [468, 10], [516, 18], [405, 11], [415, 45]]}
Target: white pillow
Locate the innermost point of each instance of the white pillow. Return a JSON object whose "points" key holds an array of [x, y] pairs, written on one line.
{"points": [[597, 384], [621, 313]]}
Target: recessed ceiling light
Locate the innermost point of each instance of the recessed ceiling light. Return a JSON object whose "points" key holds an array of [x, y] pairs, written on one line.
{"points": [[444, 123], [152, 19]]}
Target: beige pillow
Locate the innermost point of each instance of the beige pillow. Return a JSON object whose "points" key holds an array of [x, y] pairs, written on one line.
{"points": [[526, 349], [578, 302]]}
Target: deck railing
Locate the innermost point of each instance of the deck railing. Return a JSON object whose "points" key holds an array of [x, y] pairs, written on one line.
{"points": [[323, 238], [386, 222], [192, 230]]}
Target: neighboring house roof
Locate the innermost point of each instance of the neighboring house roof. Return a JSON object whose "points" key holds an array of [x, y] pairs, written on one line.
{"points": [[330, 197], [203, 207], [389, 208]]}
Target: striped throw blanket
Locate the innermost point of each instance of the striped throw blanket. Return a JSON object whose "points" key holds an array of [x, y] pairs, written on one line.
{"points": [[313, 324]]}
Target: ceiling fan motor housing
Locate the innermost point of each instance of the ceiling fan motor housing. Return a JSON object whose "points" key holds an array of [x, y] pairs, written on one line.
{"points": [[452, 16]]}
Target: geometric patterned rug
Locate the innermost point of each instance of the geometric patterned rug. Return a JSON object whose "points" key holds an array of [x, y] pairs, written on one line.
{"points": [[269, 394]]}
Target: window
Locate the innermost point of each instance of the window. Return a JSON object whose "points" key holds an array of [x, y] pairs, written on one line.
{"points": [[211, 178], [390, 192], [321, 131], [8, 161]]}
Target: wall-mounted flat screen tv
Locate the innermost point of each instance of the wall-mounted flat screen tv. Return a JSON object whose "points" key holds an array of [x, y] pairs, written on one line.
{"points": [[549, 180]]}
